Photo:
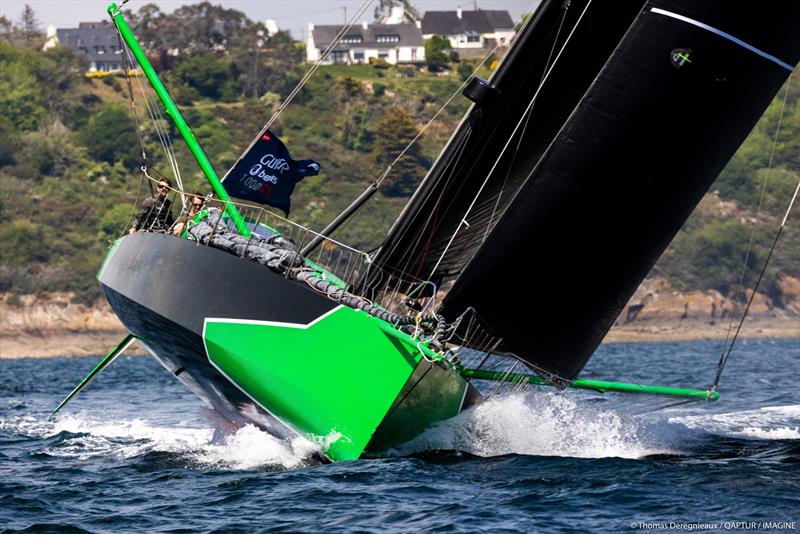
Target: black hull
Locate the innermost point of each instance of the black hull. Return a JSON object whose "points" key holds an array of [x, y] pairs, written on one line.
{"points": [[163, 288]]}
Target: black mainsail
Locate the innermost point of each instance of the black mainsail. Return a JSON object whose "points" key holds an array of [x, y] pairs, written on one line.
{"points": [[582, 158]]}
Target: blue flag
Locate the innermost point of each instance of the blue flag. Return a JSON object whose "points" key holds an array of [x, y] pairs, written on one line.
{"points": [[267, 173]]}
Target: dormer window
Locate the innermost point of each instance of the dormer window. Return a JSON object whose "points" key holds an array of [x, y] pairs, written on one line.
{"points": [[351, 39], [387, 38]]}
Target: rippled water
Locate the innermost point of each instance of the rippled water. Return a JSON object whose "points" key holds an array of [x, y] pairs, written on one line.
{"points": [[136, 451]]}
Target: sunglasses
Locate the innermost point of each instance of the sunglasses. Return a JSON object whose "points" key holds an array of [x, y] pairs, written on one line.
{"points": [[160, 187]]}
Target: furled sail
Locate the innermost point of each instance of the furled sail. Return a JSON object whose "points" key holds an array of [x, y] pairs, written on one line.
{"points": [[576, 167]]}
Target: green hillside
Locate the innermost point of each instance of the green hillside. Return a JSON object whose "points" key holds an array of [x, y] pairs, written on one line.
{"points": [[69, 153]]}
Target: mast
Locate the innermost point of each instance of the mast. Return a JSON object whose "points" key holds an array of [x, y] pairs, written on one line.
{"points": [[180, 123]]}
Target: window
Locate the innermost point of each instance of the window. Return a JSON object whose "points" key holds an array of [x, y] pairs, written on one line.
{"points": [[383, 55], [100, 49], [473, 38], [387, 38], [340, 56], [351, 39], [358, 56]]}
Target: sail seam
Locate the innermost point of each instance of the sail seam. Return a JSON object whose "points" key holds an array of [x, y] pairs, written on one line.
{"points": [[723, 34]]}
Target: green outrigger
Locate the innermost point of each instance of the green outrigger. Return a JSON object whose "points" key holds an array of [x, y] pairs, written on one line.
{"points": [[348, 350]]}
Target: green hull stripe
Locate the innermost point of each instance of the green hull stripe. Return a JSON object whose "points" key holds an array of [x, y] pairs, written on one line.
{"points": [[332, 380]]}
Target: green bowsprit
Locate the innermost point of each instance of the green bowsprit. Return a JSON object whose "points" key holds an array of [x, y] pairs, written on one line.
{"points": [[596, 385]]}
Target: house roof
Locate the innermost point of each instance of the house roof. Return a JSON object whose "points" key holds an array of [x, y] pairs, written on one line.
{"points": [[480, 21], [90, 35], [409, 35]]}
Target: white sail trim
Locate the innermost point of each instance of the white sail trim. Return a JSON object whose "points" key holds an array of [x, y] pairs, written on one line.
{"points": [[724, 35]]}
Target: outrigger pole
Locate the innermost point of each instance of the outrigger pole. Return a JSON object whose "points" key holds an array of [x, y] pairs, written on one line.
{"points": [[180, 123], [105, 362]]}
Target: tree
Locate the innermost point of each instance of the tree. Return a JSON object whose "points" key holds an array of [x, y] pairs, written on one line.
{"points": [[6, 28], [110, 136], [265, 63], [20, 94], [210, 75], [435, 55], [199, 27], [8, 142], [394, 132], [29, 25]]}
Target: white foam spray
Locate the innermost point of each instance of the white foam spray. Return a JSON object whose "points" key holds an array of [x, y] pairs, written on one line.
{"points": [[543, 424], [769, 423], [246, 448], [532, 423]]}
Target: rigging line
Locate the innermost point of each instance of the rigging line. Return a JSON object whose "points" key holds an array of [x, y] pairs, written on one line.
{"points": [[447, 177], [724, 361], [511, 137], [474, 72], [159, 123], [128, 68], [740, 286], [307, 76], [405, 260], [388, 170], [436, 115], [132, 214], [463, 141], [489, 224], [339, 36], [157, 118]]}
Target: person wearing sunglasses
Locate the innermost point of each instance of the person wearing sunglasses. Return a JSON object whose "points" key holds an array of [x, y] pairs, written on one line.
{"points": [[196, 203], [155, 215]]}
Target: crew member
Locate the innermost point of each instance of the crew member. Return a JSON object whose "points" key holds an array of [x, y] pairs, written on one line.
{"points": [[155, 214]]}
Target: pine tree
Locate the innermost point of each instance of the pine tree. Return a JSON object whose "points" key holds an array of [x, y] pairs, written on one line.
{"points": [[394, 132], [29, 24]]}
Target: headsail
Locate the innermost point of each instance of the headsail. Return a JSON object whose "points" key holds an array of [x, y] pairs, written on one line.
{"points": [[559, 213]]}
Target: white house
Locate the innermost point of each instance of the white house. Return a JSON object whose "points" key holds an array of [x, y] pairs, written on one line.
{"points": [[98, 40], [393, 43], [469, 29]]}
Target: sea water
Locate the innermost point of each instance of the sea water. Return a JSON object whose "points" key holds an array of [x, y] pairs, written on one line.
{"points": [[137, 452]]}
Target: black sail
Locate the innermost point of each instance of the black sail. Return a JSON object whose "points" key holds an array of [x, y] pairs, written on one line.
{"points": [[643, 108]]}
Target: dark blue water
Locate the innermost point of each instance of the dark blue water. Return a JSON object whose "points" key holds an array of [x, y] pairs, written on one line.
{"points": [[135, 452]]}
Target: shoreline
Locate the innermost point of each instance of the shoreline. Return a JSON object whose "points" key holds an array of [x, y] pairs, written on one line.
{"points": [[72, 343]]}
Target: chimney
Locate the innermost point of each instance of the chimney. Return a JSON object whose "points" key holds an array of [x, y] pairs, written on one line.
{"points": [[458, 12], [364, 24], [310, 27], [418, 23]]}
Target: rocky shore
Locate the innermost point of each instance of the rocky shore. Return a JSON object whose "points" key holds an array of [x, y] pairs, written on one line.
{"points": [[52, 325]]}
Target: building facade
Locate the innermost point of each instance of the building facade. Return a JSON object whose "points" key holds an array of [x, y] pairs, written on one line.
{"points": [[392, 43], [479, 29], [97, 40]]}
